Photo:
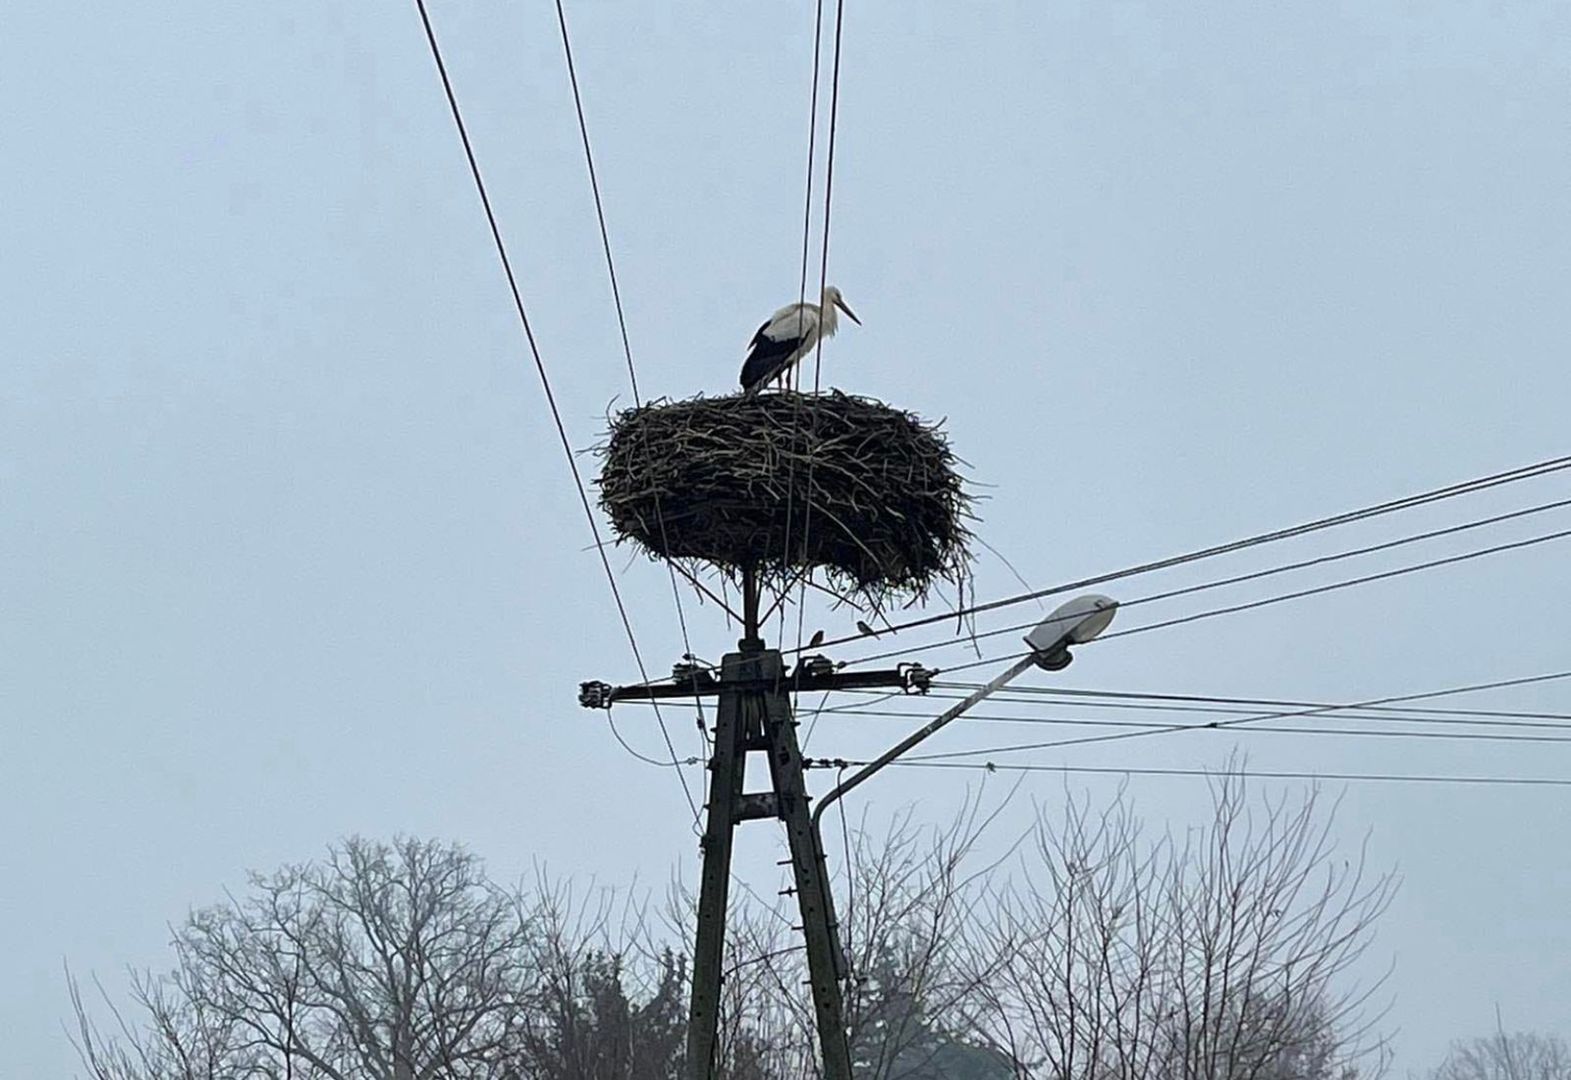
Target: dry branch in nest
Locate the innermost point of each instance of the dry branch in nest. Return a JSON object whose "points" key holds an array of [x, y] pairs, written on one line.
{"points": [[787, 482]]}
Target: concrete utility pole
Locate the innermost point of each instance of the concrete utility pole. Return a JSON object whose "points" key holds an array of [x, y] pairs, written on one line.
{"points": [[754, 716]]}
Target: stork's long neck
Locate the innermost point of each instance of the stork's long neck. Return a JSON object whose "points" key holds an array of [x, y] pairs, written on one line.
{"points": [[828, 320]]}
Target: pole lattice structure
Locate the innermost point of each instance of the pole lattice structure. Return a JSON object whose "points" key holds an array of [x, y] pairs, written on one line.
{"points": [[754, 716]]}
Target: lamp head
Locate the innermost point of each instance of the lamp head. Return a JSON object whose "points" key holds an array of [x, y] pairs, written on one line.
{"points": [[1073, 622]]}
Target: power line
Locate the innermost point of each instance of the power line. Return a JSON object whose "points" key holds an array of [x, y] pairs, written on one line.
{"points": [[818, 349], [1254, 719], [994, 718], [807, 228], [1407, 778], [645, 758], [594, 187], [1526, 472], [1077, 694], [829, 192], [1337, 585], [621, 322], [545, 381], [812, 142], [1467, 487], [1447, 718], [823, 281], [1433, 717], [1299, 594], [1239, 579]]}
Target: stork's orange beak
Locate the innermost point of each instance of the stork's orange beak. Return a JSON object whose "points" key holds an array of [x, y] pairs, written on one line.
{"points": [[841, 304]]}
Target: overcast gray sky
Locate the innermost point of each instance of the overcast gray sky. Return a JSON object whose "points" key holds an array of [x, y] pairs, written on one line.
{"points": [[289, 549]]}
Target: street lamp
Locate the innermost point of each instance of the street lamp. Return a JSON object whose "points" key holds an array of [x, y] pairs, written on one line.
{"points": [[1073, 622]]}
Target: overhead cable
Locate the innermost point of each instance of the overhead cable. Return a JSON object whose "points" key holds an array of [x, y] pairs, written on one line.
{"points": [[627, 347], [545, 381], [1358, 732], [1272, 571], [1250, 774], [1254, 719], [1467, 487]]}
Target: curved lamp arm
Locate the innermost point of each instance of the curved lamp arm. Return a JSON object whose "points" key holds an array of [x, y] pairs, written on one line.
{"points": [[1072, 623], [921, 733]]}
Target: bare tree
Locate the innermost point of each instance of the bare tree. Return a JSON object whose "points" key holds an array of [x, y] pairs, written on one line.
{"points": [[910, 997], [1099, 953], [610, 1002], [1093, 951], [1088, 951], [388, 962], [1517, 1056], [912, 1001], [404, 962], [1223, 954], [392, 962], [913, 899]]}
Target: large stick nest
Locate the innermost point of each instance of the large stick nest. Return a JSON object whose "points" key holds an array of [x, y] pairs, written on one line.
{"points": [[788, 482]]}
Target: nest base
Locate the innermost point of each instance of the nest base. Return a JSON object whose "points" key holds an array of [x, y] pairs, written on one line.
{"points": [[786, 482]]}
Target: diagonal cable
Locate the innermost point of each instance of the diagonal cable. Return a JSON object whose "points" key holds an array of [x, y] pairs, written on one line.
{"points": [[818, 347], [1270, 571], [1450, 491], [1286, 714], [1299, 594], [1408, 502], [621, 322], [545, 381], [1400, 778], [807, 229]]}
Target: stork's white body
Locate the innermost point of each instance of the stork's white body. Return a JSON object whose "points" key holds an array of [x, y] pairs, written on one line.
{"points": [[790, 334]]}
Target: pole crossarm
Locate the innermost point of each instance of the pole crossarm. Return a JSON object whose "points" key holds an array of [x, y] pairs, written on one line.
{"points": [[813, 673]]}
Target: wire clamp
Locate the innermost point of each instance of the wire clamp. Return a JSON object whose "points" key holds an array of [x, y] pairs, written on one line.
{"points": [[594, 694], [915, 679], [815, 667]]}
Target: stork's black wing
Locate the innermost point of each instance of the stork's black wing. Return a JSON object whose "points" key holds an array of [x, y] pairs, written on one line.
{"points": [[766, 358]]}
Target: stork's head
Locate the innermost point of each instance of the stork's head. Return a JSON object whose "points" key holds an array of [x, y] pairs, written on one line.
{"points": [[832, 298]]}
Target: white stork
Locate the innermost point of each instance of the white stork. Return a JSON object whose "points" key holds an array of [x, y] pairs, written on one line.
{"points": [[790, 334]]}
